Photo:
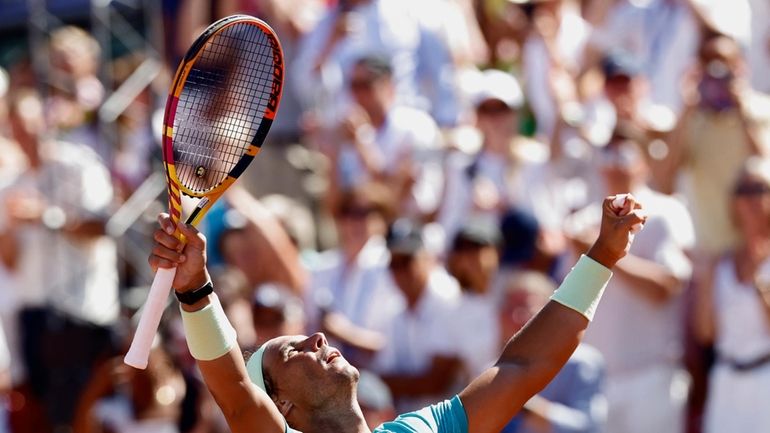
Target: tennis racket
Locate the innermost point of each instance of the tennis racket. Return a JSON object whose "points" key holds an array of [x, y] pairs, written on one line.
{"points": [[222, 102]]}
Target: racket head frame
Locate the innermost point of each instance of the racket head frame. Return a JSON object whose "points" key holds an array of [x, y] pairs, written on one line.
{"points": [[175, 187]]}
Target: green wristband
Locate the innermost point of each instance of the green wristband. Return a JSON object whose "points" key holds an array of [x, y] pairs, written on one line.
{"points": [[582, 288], [209, 333]]}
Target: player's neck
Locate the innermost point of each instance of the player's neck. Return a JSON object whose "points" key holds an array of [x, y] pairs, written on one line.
{"points": [[338, 420]]}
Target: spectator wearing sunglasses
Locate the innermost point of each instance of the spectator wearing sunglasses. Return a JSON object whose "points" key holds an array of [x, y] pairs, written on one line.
{"points": [[733, 312]]}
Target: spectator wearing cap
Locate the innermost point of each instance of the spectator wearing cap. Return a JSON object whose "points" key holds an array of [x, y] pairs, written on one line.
{"points": [[350, 295], [421, 359], [483, 183], [380, 140], [423, 69], [625, 103], [573, 402], [644, 302], [474, 261], [661, 34]]}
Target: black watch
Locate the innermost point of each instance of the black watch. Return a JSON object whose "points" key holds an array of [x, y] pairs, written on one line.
{"points": [[196, 295]]}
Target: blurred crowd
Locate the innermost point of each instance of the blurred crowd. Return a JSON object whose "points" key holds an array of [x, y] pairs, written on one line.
{"points": [[435, 167]]}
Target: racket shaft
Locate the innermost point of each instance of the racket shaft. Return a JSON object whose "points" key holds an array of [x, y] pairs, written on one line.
{"points": [[140, 348]]}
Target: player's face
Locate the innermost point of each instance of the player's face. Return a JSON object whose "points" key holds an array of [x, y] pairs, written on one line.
{"points": [[307, 369]]}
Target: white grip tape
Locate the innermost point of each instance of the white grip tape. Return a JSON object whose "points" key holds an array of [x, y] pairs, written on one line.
{"points": [[139, 352]]}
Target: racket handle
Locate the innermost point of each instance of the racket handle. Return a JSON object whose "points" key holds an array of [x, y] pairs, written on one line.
{"points": [[140, 348]]}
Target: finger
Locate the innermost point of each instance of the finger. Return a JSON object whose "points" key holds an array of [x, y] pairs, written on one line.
{"points": [[631, 203], [157, 262], [633, 218], [168, 254], [195, 239], [167, 240], [613, 205], [166, 223], [622, 204]]}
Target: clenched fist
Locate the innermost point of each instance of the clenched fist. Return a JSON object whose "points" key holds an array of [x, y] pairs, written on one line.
{"points": [[622, 217]]}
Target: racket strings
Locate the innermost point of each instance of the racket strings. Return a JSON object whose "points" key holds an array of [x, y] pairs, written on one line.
{"points": [[221, 105]]}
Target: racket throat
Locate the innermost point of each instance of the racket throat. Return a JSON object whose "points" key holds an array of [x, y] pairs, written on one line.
{"points": [[192, 219]]}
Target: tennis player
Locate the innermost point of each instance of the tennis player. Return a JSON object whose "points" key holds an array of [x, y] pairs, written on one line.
{"points": [[299, 382]]}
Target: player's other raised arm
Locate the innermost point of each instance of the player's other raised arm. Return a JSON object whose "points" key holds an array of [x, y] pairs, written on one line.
{"points": [[210, 336], [536, 353]]}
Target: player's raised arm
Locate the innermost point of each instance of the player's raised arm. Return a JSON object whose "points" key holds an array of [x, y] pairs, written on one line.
{"points": [[210, 336], [536, 353]]}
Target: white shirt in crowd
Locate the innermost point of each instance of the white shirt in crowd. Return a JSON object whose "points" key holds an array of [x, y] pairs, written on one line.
{"points": [[362, 291], [758, 55], [646, 376], [416, 335], [386, 28], [408, 137], [662, 34], [625, 315], [573, 35], [737, 399], [78, 276], [478, 331]]}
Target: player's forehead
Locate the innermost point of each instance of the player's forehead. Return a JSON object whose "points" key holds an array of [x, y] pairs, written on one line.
{"points": [[277, 348]]}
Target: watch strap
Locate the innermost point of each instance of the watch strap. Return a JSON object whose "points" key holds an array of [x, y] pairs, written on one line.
{"points": [[196, 295]]}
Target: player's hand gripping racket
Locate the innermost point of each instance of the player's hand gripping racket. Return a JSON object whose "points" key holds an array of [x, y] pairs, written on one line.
{"points": [[222, 102]]}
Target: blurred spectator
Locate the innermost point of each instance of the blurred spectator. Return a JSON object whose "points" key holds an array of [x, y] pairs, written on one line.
{"points": [[458, 28], [136, 143], [574, 400], [759, 51], [661, 34], [421, 360], [724, 123], [75, 92], [350, 295], [5, 380], [643, 303], [733, 311], [485, 182], [390, 28], [297, 220], [250, 238], [375, 399], [380, 140], [625, 103], [52, 225], [474, 261], [276, 311], [120, 399], [555, 46]]}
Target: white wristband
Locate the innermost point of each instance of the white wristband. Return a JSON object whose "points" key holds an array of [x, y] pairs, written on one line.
{"points": [[583, 287], [209, 333]]}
